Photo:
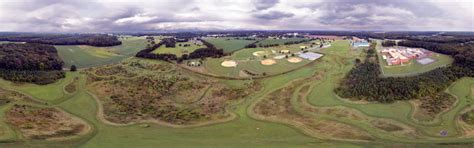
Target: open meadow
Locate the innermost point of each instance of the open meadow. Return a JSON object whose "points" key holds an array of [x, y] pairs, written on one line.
{"points": [[230, 44], [294, 109], [272, 41], [180, 49], [88, 56]]}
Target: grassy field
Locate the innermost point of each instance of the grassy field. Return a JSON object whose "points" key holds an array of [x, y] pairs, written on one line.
{"points": [[179, 50], [250, 131], [269, 41], [51, 93], [413, 68], [247, 61], [322, 95], [229, 44], [88, 56]]}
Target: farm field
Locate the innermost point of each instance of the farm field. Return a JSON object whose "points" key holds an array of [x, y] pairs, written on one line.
{"points": [[179, 50], [249, 60], [413, 68], [269, 41], [285, 112], [229, 44], [89, 56]]}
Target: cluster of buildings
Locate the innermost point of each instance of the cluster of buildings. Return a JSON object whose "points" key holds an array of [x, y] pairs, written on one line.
{"points": [[357, 44], [402, 55]]}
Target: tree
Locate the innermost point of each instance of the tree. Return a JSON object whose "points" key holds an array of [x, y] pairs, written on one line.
{"points": [[73, 68], [357, 60]]}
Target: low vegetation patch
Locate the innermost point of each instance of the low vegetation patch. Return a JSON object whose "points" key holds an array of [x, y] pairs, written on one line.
{"points": [[430, 106], [277, 106], [44, 123], [71, 87], [468, 117], [173, 96], [386, 126], [7, 96]]}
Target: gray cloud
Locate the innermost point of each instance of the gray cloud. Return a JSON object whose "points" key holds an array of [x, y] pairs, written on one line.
{"points": [[273, 15], [265, 4], [373, 14], [145, 15]]}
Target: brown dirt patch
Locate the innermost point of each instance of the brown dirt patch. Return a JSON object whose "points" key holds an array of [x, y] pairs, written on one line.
{"points": [[229, 63], [294, 60], [268, 62]]}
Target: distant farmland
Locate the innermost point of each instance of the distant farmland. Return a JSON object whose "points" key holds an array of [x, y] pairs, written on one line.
{"points": [[229, 44], [87, 56], [270, 41]]}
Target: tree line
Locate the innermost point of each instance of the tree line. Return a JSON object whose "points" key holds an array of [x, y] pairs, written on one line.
{"points": [[389, 43], [209, 51], [99, 40], [30, 62]]}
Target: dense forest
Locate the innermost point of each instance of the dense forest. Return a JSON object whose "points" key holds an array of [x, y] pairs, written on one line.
{"points": [[30, 62], [99, 40], [209, 51], [364, 82], [389, 43], [169, 42]]}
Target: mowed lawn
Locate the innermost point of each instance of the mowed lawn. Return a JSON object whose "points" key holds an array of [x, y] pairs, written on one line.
{"points": [[49, 93], [179, 50], [247, 61], [229, 44], [413, 68], [88, 56]]}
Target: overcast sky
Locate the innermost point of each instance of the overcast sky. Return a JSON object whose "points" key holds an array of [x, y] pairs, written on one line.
{"points": [[163, 15]]}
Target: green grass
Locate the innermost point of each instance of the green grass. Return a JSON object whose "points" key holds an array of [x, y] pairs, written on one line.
{"points": [[245, 131], [269, 41], [413, 68], [6, 133], [322, 94], [229, 44], [88, 56], [49, 93], [247, 61], [179, 50]]}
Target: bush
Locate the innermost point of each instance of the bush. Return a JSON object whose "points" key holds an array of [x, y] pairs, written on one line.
{"points": [[73, 68]]}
